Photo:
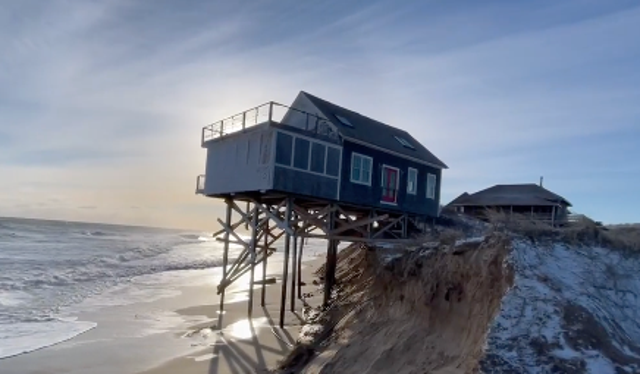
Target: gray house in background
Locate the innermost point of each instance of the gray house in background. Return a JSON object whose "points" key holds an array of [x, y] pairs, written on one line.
{"points": [[524, 199]]}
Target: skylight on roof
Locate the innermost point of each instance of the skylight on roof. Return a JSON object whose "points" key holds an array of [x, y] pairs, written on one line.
{"points": [[405, 143], [343, 120]]}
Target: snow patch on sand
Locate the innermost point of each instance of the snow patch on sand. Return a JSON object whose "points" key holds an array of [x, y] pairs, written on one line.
{"points": [[573, 309]]}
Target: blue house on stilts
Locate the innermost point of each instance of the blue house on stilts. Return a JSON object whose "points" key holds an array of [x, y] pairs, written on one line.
{"points": [[316, 169]]}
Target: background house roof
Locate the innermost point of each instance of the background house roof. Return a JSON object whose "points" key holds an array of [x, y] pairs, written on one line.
{"points": [[511, 194], [458, 199], [373, 132]]}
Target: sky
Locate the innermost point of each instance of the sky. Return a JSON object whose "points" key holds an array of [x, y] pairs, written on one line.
{"points": [[102, 102]]}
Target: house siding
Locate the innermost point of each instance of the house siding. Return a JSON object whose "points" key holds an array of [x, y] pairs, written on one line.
{"points": [[246, 156], [305, 184], [371, 195]]}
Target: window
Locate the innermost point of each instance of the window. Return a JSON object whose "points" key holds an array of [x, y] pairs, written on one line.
{"points": [[405, 143], [333, 161], [412, 181], [361, 169], [284, 148], [343, 120], [317, 157], [431, 186], [301, 154]]}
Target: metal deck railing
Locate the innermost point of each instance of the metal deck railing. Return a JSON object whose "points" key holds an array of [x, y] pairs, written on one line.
{"points": [[268, 112]]}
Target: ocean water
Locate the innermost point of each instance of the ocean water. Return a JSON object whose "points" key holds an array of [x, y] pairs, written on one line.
{"points": [[50, 270]]}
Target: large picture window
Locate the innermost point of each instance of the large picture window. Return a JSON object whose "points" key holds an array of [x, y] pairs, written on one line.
{"points": [[284, 145], [305, 154], [301, 157], [361, 166], [317, 157], [333, 161]]}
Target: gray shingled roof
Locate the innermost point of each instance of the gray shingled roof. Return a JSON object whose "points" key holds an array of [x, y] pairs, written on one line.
{"points": [[373, 132], [459, 200], [510, 195]]}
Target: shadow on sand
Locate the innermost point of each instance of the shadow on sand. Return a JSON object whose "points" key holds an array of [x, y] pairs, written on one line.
{"points": [[238, 355]]}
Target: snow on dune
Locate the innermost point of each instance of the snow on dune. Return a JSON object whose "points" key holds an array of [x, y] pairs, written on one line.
{"points": [[573, 309]]}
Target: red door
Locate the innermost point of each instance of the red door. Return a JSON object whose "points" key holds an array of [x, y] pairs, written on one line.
{"points": [[389, 184]]}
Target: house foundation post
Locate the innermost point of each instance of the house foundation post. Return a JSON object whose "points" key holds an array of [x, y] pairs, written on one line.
{"points": [[405, 228], [294, 272], [267, 232], [330, 266], [225, 256], [252, 248], [302, 240], [285, 267]]}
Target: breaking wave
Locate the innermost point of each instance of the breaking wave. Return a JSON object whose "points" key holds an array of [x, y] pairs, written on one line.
{"points": [[98, 233], [58, 266], [197, 237]]}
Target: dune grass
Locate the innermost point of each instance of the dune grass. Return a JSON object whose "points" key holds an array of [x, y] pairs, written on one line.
{"points": [[582, 231]]}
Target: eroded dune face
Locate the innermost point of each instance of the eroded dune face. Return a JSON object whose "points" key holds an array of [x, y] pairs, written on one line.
{"points": [[418, 313]]}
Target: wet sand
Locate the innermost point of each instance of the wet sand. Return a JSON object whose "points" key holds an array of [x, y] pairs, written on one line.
{"points": [[159, 334], [244, 345]]}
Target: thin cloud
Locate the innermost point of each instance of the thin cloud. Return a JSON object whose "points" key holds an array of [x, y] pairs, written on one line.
{"points": [[104, 101]]}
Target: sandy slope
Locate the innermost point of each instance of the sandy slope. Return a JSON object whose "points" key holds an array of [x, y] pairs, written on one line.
{"points": [[573, 309], [419, 313], [512, 304]]}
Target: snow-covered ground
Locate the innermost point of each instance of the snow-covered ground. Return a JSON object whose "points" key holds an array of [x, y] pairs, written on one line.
{"points": [[573, 309]]}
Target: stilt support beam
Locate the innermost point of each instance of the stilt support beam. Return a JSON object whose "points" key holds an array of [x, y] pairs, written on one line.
{"points": [[285, 266], [268, 220]]}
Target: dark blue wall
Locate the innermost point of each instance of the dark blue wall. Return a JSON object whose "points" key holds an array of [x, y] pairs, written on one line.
{"points": [[305, 184], [371, 195], [313, 185]]}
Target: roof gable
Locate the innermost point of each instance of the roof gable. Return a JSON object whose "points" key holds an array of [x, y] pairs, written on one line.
{"points": [[353, 125], [460, 199]]}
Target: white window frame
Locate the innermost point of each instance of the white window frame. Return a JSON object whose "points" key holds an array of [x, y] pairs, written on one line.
{"points": [[359, 181], [432, 183], [413, 171], [395, 198]]}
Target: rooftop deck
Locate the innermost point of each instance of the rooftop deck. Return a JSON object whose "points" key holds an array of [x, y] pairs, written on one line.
{"points": [[270, 112]]}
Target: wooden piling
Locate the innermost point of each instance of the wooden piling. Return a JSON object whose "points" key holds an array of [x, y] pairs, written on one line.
{"points": [[330, 267], [225, 255], [246, 223], [294, 273], [285, 267], [302, 240], [267, 231], [252, 248]]}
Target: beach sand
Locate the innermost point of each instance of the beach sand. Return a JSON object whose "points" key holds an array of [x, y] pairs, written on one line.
{"points": [[172, 334], [245, 345]]}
